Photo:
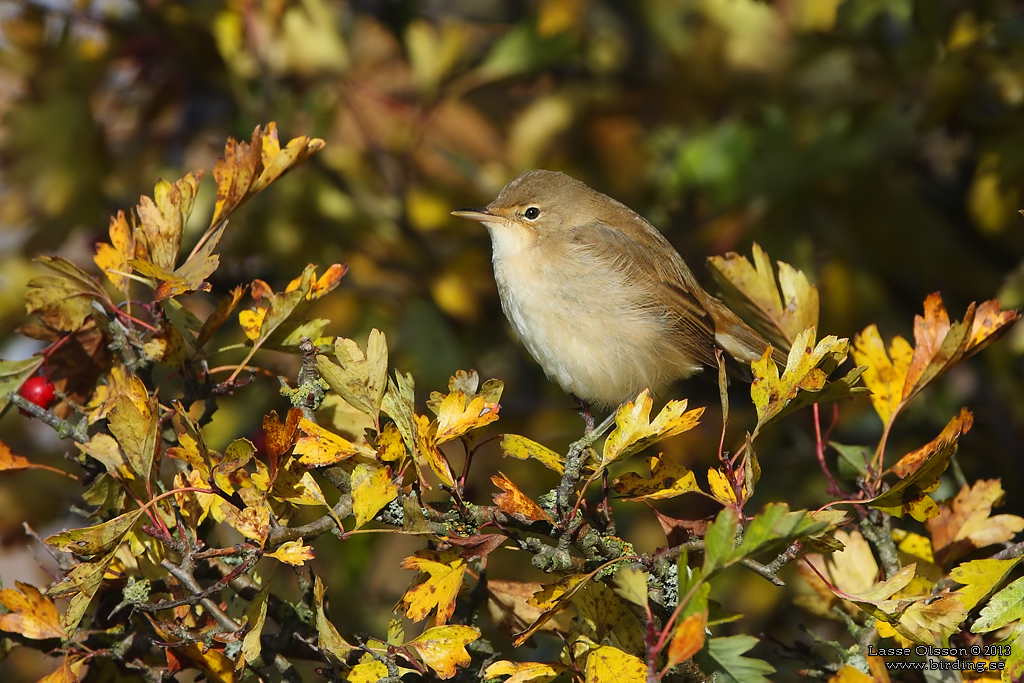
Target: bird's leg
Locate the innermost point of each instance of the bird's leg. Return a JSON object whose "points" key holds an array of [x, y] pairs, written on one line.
{"points": [[588, 417], [574, 461]]}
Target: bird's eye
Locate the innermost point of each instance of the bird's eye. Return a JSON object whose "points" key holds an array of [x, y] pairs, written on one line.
{"points": [[532, 213]]}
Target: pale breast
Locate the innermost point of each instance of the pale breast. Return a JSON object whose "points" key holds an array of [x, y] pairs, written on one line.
{"points": [[596, 336]]}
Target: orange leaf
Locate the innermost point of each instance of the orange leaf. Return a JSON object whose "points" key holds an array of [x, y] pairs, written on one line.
{"points": [[31, 614], [688, 638], [515, 502], [12, 461]]}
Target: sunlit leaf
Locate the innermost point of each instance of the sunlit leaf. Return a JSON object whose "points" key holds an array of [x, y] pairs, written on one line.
{"points": [[444, 573], [634, 430], [804, 381], [516, 503], [668, 480], [443, 648], [524, 672], [607, 664], [294, 553], [752, 286], [30, 613], [372, 489], [513, 445]]}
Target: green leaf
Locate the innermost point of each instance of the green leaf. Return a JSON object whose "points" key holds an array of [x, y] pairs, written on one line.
{"points": [[1004, 607], [13, 374], [360, 379], [724, 656], [719, 539], [102, 538], [775, 525]]}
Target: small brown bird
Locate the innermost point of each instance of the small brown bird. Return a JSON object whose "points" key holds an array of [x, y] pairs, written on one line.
{"points": [[598, 296]]}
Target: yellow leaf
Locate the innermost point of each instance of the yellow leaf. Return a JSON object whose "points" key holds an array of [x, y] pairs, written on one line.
{"points": [[94, 540], [456, 416], [255, 619], [607, 664], [721, 487], [884, 377], [390, 446], [756, 294], [329, 638], [668, 480], [807, 369], [524, 672], [30, 613], [247, 168], [368, 671], [134, 423], [515, 502], [688, 638], [162, 219], [522, 448], [443, 648], [634, 431], [253, 523], [252, 320], [980, 578], [926, 622], [444, 572], [372, 489], [359, 379], [427, 449], [321, 447], [849, 674], [294, 553], [605, 613], [70, 671], [113, 258]]}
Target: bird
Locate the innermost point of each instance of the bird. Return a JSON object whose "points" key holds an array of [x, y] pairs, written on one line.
{"points": [[599, 297]]}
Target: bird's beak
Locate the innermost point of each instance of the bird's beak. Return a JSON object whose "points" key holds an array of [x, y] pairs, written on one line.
{"points": [[482, 215]]}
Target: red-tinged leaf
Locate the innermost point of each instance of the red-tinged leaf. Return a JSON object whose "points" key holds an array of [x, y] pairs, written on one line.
{"points": [[477, 546], [279, 438], [957, 427]]}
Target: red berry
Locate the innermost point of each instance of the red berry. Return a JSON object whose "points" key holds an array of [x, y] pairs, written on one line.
{"points": [[38, 390]]}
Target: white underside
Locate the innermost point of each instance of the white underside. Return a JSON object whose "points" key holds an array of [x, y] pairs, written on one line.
{"points": [[562, 308]]}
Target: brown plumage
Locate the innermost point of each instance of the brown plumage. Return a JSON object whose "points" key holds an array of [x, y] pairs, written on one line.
{"points": [[598, 296]]}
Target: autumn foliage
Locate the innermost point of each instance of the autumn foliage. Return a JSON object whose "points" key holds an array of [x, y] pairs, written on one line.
{"points": [[161, 575]]}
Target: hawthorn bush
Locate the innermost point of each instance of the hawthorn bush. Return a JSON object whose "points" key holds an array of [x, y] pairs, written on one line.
{"points": [[189, 559]]}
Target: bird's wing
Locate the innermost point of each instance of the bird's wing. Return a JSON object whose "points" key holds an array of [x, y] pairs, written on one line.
{"points": [[653, 266]]}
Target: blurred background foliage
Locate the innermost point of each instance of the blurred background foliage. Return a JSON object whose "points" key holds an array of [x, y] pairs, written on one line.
{"points": [[876, 144]]}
